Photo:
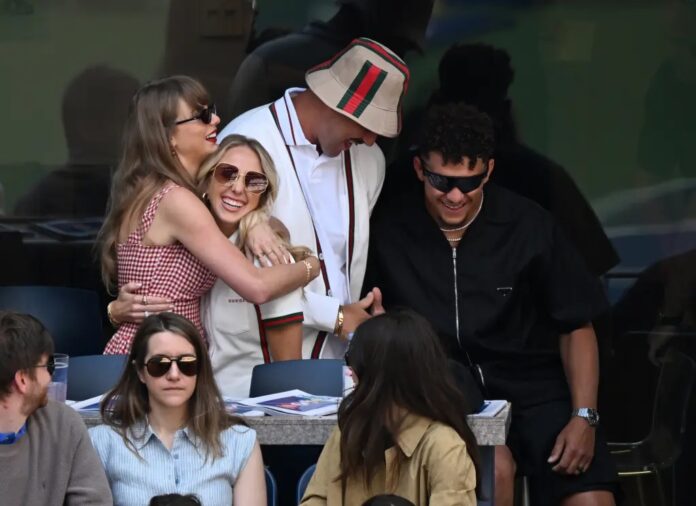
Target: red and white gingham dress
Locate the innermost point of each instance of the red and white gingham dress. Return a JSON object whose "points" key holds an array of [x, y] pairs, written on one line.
{"points": [[167, 271]]}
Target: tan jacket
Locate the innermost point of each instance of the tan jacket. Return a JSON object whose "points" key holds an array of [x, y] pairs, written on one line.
{"points": [[437, 471]]}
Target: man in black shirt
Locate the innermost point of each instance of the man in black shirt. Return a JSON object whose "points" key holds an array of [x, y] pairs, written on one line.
{"points": [[510, 298]]}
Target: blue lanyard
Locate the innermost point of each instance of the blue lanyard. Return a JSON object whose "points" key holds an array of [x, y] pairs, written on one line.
{"points": [[8, 438]]}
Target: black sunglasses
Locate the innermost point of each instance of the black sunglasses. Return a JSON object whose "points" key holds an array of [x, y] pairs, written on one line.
{"points": [[50, 365], [228, 174], [446, 184], [159, 365], [206, 116]]}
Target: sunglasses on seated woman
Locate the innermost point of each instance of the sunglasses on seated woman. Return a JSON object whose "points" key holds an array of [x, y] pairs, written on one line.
{"points": [[228, 174], [206, 116], [159, 365]]}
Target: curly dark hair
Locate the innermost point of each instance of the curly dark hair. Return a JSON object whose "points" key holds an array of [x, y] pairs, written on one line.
{"points": [[457, 131]]}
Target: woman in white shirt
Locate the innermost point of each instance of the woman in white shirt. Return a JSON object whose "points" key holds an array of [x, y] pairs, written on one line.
{"points": [[166, 427], [239, 184]]}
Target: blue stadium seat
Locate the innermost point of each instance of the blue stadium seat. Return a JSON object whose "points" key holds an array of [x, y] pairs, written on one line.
{"points": [[71, 315], [304, 481], [92, 375], [318, 377], [271, 488]]}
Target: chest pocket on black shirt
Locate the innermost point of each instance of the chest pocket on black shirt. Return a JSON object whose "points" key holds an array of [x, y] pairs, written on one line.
{"points": [[493, 304]]}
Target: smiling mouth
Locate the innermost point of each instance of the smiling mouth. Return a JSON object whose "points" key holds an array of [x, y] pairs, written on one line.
{"points": [[212, 137], [232, 203], [453, 207]]}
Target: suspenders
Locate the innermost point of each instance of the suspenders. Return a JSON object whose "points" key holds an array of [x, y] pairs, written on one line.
{"points": [[319, 343]]}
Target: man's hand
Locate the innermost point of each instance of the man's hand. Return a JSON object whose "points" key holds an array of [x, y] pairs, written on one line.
{"points": [[357, 312], [265, 244], [133, 307], [574, 448]]}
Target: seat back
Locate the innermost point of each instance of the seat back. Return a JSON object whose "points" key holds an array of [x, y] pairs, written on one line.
{"points": [[670, 410], [71, 315], [304, 481], [317, 377], [92, 375], [271, 488]]}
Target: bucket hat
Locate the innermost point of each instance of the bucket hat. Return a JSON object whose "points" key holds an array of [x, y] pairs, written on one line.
{"points": [[366, 82]]}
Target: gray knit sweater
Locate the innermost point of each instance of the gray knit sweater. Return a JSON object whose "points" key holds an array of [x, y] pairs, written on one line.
{"points": [[54, 463]]}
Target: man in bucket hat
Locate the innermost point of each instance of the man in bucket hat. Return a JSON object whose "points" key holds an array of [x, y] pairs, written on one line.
{"points": [[322, 140]]}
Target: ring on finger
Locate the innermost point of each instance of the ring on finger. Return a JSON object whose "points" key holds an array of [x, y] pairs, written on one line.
{"points": [[147, 313]]}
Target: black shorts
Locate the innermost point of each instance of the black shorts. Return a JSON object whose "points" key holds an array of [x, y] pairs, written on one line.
{"points": [[533, 432]]}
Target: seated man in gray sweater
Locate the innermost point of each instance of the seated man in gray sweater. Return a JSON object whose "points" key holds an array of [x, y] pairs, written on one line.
{"points": [[46, 455]]}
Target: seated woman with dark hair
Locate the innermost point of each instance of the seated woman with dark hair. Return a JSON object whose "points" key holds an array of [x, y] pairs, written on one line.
{"points": [[166, 427], [403, 429]]}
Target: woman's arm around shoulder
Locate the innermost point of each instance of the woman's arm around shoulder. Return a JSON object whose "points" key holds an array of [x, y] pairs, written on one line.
{"points": [[187, 220]]}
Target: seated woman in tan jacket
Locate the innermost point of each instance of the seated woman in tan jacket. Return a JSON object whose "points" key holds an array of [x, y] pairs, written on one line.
{"points": [[403, 429]]}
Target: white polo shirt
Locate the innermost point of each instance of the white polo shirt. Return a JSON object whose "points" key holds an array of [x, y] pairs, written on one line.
{"points": [[236, 332]]}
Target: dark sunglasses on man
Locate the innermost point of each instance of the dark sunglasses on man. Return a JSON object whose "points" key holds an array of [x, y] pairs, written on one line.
{"points": [[206, 116], [228, 174], [159, 365], [446, 184]]}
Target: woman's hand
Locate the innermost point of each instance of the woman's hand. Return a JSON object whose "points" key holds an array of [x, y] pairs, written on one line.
{"points": [[134, 307], [263, 241]]}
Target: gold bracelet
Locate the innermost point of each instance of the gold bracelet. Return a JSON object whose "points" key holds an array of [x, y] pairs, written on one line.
{"points": [[308, 265], [338, 328], [113, 321]]}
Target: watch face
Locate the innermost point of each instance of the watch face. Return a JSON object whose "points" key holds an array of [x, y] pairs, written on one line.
{"points": [[591, 415]]}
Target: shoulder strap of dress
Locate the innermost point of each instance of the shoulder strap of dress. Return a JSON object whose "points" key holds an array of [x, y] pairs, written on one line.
{"points": [[151, 209]]}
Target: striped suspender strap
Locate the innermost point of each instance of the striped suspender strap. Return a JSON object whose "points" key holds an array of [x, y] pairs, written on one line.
{"points": [[321, 337]]}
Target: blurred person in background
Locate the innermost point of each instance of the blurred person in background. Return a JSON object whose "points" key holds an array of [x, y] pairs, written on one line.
{"points": [[279, 64]]}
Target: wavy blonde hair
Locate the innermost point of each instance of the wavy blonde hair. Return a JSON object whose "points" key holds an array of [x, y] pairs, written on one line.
{"points": [[147, 160], [263, 212]]}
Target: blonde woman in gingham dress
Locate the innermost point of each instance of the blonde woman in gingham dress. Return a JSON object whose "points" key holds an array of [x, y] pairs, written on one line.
{"points": [[157, 231]]}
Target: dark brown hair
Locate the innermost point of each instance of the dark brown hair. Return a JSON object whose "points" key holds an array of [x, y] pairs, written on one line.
{"points": [[401, 366], [23, 341], [128, 403]]}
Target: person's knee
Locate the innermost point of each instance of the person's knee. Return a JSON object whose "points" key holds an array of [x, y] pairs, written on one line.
{"points": [[590, 498]]}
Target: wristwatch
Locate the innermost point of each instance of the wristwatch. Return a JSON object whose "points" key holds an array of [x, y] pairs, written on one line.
{"points": [[589, 414]]}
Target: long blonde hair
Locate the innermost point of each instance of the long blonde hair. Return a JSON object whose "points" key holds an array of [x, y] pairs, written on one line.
{"points": [[263, 211], [147, 159]]}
